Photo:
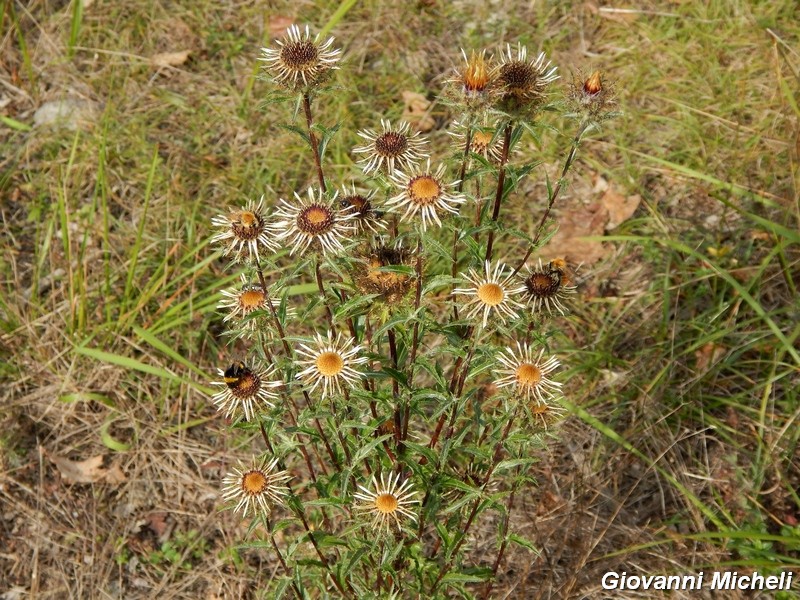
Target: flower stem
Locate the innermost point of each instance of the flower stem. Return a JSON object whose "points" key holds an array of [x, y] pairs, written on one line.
{"points": [[501, 181], [373, 406], [312, 138], [398, 423], [321, 287], [498, 453], [300, 513], [290, 356], [281, 560], [457, 380], [414, 335], [503, 545], [268, 355], [576, 141], [459, 188]]}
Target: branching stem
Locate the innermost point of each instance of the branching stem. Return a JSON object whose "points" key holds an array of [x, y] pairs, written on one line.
{"points": [[576, 141]]}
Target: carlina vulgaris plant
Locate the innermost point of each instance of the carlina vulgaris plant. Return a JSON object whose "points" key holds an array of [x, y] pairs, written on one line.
{"points": [[383, 449]]}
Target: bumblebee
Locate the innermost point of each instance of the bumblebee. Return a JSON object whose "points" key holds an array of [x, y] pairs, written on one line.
{"points": [[558, 271], [234, 374]]}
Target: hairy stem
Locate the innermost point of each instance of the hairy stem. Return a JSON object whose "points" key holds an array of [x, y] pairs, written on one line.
{"points": [[321, 288], [503, 545], [281, 560], [313, 141], [414, 335], [268, 356], [459, 188], [373, 406], [576, 141], [398, 422], [501, 182], [300, 513]]}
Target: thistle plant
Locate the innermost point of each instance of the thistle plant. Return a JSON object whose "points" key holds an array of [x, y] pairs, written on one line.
{"points": [[404, 402]]}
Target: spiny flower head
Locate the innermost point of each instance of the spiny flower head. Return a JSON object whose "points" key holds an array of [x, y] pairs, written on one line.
{"points": [[240, 302], [300, 63], [592, 96], [528, 374], [366, 217], [313, 220], [547, 286], [425, 193], [387, 501], [377, 274], [244, 389], [491, 293], [257, 488], [523, 82], [482, 141], [244, 232], [393, 147], [329, 362]]}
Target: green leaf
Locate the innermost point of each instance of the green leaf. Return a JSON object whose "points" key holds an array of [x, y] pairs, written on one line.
{"points": [[337, 16], [327, 136], [328, 540], [14, 124], [355, 306], [466, 577], [521, 541], [441, 529], [169, 352], [298, 130], [87, 396], [422, 450], [366, 450], [109, 441], [396, 374]]}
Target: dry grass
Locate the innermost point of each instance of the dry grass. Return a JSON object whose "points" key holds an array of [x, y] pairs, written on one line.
{"points": [[104, 226]]}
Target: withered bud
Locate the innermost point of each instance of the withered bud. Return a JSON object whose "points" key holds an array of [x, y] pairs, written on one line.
{"points": [[593, 85], [476, 73]]}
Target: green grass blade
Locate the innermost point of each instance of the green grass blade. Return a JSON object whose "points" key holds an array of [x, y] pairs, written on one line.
{"points": [[344, 7], [740, 289], [614, 436], [134, 365], [137, 245], [156, 343]]}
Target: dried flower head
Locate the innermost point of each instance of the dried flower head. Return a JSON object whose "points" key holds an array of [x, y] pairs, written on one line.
{"points": [[528, 375], [482, 141], [300, 63], [547, 286], [314, 220], [387, 501], [592, 96], [393, 148], [543, 414], [384, 271], [245, 388], [258, 487], [240, 302], [523, 82], [425, 193], [491, 293], [244, 231], [593, 86], [366, 217], [476, 76], [329, 362]]}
